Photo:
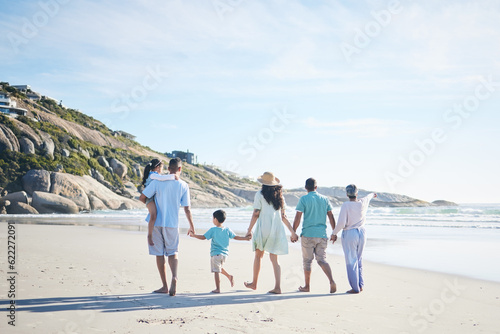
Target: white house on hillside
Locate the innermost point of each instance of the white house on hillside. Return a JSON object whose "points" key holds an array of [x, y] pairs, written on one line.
{"points": [[9, 107]]}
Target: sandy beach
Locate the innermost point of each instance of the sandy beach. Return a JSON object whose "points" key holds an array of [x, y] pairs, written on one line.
{"points": [[79, 279]]}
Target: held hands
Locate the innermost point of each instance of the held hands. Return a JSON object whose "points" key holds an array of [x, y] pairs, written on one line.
{"points": [[294, 237], [191, 232], [249, 235], [333, 238]]}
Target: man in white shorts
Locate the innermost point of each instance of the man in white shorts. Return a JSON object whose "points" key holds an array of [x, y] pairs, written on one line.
{"points": [[168, 197]]}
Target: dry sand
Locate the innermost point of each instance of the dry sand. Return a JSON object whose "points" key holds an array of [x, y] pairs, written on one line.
{"points": [[79, 279]]}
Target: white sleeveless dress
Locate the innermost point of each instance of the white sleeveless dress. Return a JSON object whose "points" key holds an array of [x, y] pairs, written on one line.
{"points": [[269, 234]]}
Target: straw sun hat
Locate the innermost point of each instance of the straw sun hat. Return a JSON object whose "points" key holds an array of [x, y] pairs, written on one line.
{"points": [[268, 179]]}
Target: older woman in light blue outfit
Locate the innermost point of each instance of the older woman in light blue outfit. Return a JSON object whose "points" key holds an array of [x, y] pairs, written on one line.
{"points": [[269, 235]]}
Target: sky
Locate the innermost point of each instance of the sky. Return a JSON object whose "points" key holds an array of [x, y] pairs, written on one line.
{"points": [[393, 96]]}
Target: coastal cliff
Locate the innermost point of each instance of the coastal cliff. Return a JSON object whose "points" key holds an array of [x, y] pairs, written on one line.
{"points": [[57, 159]]}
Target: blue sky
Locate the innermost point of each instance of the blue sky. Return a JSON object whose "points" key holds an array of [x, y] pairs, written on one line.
{"points": [[397, 96]]}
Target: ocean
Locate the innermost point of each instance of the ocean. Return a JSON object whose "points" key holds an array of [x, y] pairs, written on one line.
{"points": [[463, 240]]}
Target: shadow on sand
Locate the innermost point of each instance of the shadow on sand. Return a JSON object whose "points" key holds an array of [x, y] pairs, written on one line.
{"points": [[151, 301]]}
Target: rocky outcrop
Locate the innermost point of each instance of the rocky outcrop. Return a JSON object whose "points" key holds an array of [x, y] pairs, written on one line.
{"points": [[36, 180], [444, 203], [16, 197], [96, 203], [8, 140], [130, 190], [65, 153], [103, 162], [85, 153], [20, 208], [27, 146], [137, 170], [84, 192], [119, 168], [65, 185], [51, 203], [48, 145]]}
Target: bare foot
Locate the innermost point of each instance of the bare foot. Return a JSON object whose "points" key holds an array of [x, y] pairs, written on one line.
{"points": [[360, 289], [251, 285], [333, 287], [173, 286], [231, 279], [275, 291], [303, 288], [352, 291], [215, 291], [162, 290]]}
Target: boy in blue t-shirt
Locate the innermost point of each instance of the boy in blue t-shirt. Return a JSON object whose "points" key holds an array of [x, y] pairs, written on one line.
{"points": [[220, 236]]}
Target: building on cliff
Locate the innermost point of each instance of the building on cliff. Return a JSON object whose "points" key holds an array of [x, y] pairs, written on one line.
{"points": [[9, 107], [188, 157]]}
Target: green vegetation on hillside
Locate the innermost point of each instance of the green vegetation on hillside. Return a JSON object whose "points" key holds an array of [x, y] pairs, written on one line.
{"points": [[14, 165]]}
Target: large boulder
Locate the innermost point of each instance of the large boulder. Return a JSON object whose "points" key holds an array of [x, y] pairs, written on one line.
{"points": [[51, 203], [102, 161], [36, 180], [48, 145], [109, 198], [137, 170], [64, 185], [28, 132], [130, 190], [20, 208], [27, 146], [17, 197], [119, 168], [85, 153], [8, 140], [65, 153], [96, 203]]}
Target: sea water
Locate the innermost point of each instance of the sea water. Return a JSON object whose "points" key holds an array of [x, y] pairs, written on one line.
{"points": [[463, 240]]}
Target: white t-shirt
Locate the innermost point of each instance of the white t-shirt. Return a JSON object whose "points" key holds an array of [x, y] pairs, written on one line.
{"points": [[353, 214]]}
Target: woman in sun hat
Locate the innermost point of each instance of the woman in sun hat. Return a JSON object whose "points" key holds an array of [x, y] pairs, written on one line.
{"points": [[269, 235]]}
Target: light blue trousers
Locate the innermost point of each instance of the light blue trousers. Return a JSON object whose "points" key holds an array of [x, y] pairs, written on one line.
{"points": [[353, 243]]}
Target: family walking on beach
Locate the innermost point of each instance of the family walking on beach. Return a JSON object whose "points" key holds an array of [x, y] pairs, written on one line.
{"points": [[266, 229]]}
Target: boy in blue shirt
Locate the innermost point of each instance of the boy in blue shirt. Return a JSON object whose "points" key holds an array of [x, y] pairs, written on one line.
{"points": [[220, 236]]}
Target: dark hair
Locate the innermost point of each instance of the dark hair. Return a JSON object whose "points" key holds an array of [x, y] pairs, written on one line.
{"points": [[174, 164], [273, 195], [311, 184], [352, 197], [149, 167], [220, 215]]}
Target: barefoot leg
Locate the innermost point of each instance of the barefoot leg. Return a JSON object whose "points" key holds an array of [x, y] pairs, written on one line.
{"points": [[307, 277], [277, 274], [229, 277], [217, 283], [160, 263], [256, 269], [172, 261]]}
